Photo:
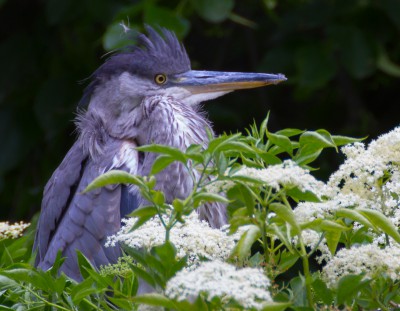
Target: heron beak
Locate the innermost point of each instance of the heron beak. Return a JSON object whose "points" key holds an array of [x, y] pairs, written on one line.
{"points": [[200, 82]]}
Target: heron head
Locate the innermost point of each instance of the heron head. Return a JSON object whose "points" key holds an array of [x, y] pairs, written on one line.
{"points": [[159, 65]]}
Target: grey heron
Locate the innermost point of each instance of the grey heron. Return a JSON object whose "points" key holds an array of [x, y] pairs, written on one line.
{"points": [[148, 94]]}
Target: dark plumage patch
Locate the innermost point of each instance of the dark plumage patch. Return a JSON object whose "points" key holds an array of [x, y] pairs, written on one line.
{"points": [[152, 54]]}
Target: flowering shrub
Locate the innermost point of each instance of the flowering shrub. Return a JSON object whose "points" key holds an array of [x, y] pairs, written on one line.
{"points": [[193, 238], [368, 260], [13, 231], [293, 241], [249, 287]]}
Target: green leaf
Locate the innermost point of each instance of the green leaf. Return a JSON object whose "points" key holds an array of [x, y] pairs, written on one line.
{"points": [[356, 216], [298, 195], [243, 248], [282, 236], [154, 300], [176, 153], [196, 157], [344, 140], [82, 290], [158, 197], [161, 163], [213, 11], [143, 214], [290, 132], [269, 158], [286, 213], [236, 146], [263, 126], [317, 139], [299, 288], [322, 291], [7, 282], [348, 287], [121, 303], [382, 222], [222, 163], [281, 141], [142, 274], [248, 198], [144, 211], [307, 154], [84, 264], [329, 225], [332, 239], [276, 306], [113, 177], [166, 252], [194, 149], [178, 205], [324, 225], [287, 260], [246, 179], [219, 142], [208, 197]]}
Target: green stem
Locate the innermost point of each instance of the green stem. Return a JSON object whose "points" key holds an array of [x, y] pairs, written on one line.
{"points": [[304, 258], [265, 241], [44, 300], [306, 271], [203, 172], [266, 250]]}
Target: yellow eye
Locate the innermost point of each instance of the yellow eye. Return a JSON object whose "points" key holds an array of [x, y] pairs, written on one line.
{"points": [[160, 78]]}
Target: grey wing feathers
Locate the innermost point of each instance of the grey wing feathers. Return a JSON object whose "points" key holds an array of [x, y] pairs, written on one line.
{"points": [[56, 195], [71, 220]]}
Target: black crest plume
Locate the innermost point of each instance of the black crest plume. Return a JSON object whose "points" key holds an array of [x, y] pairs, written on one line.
{"points": [[152, 54]]}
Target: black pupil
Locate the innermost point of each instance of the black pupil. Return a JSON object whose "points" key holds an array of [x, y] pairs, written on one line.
{"points": [[160, 79]]}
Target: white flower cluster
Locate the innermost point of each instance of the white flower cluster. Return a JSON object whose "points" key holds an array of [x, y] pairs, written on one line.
{"points": [[369, 259], [287, 175], [219, 186], [369, 178], [309, 211], [13, 231], [194, 238], [372, 173], [247, 286]]}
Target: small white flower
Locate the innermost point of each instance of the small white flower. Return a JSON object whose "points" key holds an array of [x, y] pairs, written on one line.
{"points": [[247, 286], [372, 173], [369, 259], [194, 238], [309, 211], [219, 186], [288, 174], [13, 231]]}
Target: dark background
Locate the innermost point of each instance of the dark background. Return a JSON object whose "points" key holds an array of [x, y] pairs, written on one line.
{"points": [[340, 58]]}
